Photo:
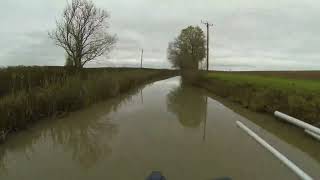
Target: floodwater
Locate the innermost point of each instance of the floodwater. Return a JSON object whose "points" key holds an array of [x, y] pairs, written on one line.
{"points": [[165, 126]]}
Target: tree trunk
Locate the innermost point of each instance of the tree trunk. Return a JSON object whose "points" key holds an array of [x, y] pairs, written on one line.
{"points": [[77, 62]]}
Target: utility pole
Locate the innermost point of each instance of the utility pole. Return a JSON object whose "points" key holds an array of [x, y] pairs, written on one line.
{"points": [[205, 120], [141, 58], [208, 28]]}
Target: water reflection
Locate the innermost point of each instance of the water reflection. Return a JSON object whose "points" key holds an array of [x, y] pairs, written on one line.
{"points": [[142, 136], [86, 135], [3, 169], [188, 105]]}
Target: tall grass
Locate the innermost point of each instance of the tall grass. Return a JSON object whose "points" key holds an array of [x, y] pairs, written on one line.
{"points": [[65, 131], [15, 79], [68, 92]]}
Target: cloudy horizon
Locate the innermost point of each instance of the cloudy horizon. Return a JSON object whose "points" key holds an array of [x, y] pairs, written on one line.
{"points": [[247, 34]]}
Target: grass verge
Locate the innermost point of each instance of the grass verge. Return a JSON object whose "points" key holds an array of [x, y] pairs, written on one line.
{"points": [[296, 97]]}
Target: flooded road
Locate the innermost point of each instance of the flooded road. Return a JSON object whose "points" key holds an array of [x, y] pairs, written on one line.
{"points": [[164, 126]]}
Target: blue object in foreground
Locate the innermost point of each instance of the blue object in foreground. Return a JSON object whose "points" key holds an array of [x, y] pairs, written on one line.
{"points": [[156, 175]]}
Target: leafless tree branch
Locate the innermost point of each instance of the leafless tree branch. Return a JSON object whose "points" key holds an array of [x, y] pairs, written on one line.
{"points": [[82, 32]]}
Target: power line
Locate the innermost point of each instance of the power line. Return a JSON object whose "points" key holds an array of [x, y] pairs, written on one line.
{"points": [[208, 28]]}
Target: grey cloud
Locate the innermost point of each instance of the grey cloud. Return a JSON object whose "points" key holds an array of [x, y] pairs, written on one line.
{"points": [[34, 50], [247, 34]]}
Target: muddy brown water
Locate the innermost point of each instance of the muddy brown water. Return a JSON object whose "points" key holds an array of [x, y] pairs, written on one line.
{"points": [[165, 126]]}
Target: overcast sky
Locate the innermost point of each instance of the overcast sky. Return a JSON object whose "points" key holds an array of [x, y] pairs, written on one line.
{"points": [[247, 34]]}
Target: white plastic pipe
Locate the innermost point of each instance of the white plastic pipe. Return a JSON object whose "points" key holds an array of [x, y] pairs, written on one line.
{"points": [[276, 153], [297, 122], [314, 135]]}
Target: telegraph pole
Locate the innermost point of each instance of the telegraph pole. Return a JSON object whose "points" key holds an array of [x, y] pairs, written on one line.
{"points": [[141, 58], [205, 120], [208, 28]]}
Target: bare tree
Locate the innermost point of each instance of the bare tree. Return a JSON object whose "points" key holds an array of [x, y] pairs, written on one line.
{"points": [[82, 32]]}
